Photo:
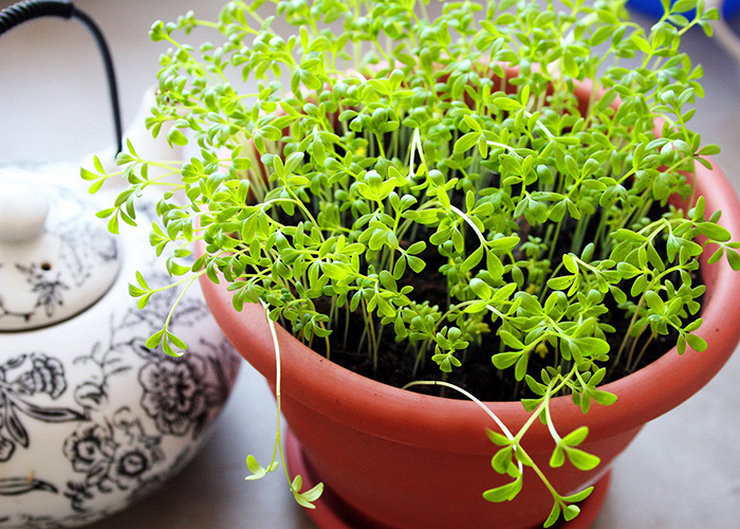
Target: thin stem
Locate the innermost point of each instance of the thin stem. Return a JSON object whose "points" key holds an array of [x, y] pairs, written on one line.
{"points": [[640, 355], [470, 396]]}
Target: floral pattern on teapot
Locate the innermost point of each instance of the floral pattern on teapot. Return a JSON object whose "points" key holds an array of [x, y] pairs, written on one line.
{"points": [[108, 454]]}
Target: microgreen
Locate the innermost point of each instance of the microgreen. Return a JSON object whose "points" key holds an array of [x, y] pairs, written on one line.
{"points": [[336, 164]]}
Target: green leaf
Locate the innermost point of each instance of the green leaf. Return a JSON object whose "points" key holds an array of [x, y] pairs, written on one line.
{"points": [[480, 288], [88, 175], [174, 136], [143, 301], [734, 259], [713, 231], [627, 270], [504, 360], [570, 512], [333, 271], [709, 150], [306, 499], [95, 187], [504, 493], [472, 260], [416, 264], [510, 340], [501, 462], [554, 515], [681, 344], [579, 496], [293, 162], [628, 235], [642, 44], [155, 339], [399, 268], [557, 459], [604, 398], [113, 224], [466, 142], [618, 294], [497, 438], [716, 256], [507, 103], [576, 437], [681, 6], [257, 470], [697, 343], [570, 264], [504, 244], [592, 346], [135, 291], [654, 302], [560, 283], [582, 460]]}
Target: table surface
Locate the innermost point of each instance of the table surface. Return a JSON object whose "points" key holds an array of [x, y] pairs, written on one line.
{"points": [[683, 470]]}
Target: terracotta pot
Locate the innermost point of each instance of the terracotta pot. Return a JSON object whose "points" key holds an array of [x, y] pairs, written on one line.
{"points": [[395, 459]]}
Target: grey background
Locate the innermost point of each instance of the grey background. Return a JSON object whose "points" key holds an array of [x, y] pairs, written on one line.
{"points": [[683, 471]]}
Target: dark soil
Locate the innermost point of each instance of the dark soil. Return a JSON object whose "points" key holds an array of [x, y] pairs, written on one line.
{"points": [[478, 375]]}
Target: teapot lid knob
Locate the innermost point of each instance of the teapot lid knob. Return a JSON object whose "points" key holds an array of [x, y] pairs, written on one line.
{"points": [[55, 261], [23, 212]]}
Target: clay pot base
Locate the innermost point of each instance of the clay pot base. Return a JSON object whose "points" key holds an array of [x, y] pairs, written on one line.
{"points": [[331, 513]]}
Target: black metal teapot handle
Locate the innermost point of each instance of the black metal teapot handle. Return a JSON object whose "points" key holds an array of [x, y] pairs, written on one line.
{"points": [[20, 12]]}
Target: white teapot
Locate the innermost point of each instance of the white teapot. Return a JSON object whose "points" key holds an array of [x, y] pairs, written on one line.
{"points": [[90, 418]]}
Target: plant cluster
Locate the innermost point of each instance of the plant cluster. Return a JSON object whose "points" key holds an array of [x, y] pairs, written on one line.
{"points": [[378, 142]]}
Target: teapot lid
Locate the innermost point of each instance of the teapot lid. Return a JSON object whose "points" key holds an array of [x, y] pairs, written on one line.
{"points": [[55, 261]]}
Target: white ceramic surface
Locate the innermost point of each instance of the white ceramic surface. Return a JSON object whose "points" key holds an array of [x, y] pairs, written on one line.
{"points": [[23, 212], [55, 259], [92, 420]]}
